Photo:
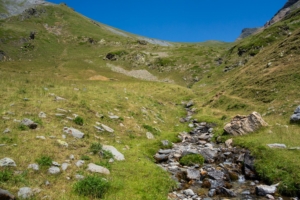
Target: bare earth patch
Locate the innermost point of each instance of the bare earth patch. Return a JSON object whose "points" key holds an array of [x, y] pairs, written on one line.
{"points": [[99, 78]]}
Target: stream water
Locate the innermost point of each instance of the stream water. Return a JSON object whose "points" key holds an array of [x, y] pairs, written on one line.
{"points": [[227, 173]]}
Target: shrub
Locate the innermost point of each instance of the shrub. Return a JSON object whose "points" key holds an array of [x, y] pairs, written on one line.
{"points": [[44, 161], [5, 175], [85, 157], [192, 159], [92, 186], [78, 120], [95, 147]]}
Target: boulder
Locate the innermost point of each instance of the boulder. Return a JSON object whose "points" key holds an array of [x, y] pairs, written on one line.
{"points": [[74, 132], [7, 162], [29, 123], [25, 193], [117, 155], [263, 190], [161, 157], [241, 125], [54, 170], [98, 169], [193, 174], [295, 118], [6, 195], [209, 154]]}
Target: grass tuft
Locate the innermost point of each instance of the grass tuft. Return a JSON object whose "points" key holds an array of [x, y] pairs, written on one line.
{"points": [[92, 186]]}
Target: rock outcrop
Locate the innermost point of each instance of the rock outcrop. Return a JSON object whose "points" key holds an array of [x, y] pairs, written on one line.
{"points": [[295, 118], [241, 125]]}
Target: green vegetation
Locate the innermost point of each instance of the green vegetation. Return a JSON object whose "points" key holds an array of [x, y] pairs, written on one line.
{"points": [[78, 120], [5, 175], [92, 186], [95, 147], [66, 60], [192, 159], [44, 161]]}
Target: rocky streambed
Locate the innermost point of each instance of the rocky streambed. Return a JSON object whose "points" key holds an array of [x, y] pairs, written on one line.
{"points": [[227, 172]]}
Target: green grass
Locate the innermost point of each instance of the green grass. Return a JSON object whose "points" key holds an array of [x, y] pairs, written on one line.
{"points": [[44, 161], [92, 186], [63, 60], [192, 159]]}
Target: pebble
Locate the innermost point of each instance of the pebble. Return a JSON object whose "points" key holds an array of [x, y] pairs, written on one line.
{"points": [[25, 193], [40, 137], [7, 130], [79, 163], [34, 166], [7, 162]]}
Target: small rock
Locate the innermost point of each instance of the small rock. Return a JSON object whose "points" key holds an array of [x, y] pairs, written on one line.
{"points": [[149, 135], [263, 190], [79, 177], [74, 132], [98, 169], [57, 98], [47, 183], [79, 163], [64, 166], [42, 115], [29, 123], [193, 174], [113, 117], [59, 115], [62, 143], [34, 166], [189, 192], [6, 195], [61, 110], [7, 162], [54, 170], [99, 128], [277, 146], [165, 142], [40, 137], [117, 155], [228, 143], [55, 164], [25, 193], [269, 196], [161, 157], [108, 129], [72, 157], [7, 130], [212, 192]]}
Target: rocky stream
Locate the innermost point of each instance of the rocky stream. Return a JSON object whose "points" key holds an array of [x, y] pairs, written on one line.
{"points": [[227, 173]]}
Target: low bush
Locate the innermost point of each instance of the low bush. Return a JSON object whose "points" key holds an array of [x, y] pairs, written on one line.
{"points": [[192, 159], [78, 120], [92, 186], [95, 147], [44, 161]]}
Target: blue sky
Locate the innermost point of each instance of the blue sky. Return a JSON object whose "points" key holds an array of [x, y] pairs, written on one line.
{"points": [[179, 20]]}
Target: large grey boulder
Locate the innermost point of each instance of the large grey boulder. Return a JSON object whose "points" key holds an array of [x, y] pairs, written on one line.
{"points": [[242, 125], [295, 118], [6, 195], [74, 132], [7, 162], [117, 155]]}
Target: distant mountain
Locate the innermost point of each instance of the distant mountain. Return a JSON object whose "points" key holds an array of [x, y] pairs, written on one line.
{"points": [[289, 6], [14, 7]]}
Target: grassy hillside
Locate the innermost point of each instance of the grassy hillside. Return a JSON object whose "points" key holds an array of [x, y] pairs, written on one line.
{"points": [[67, 58]]}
